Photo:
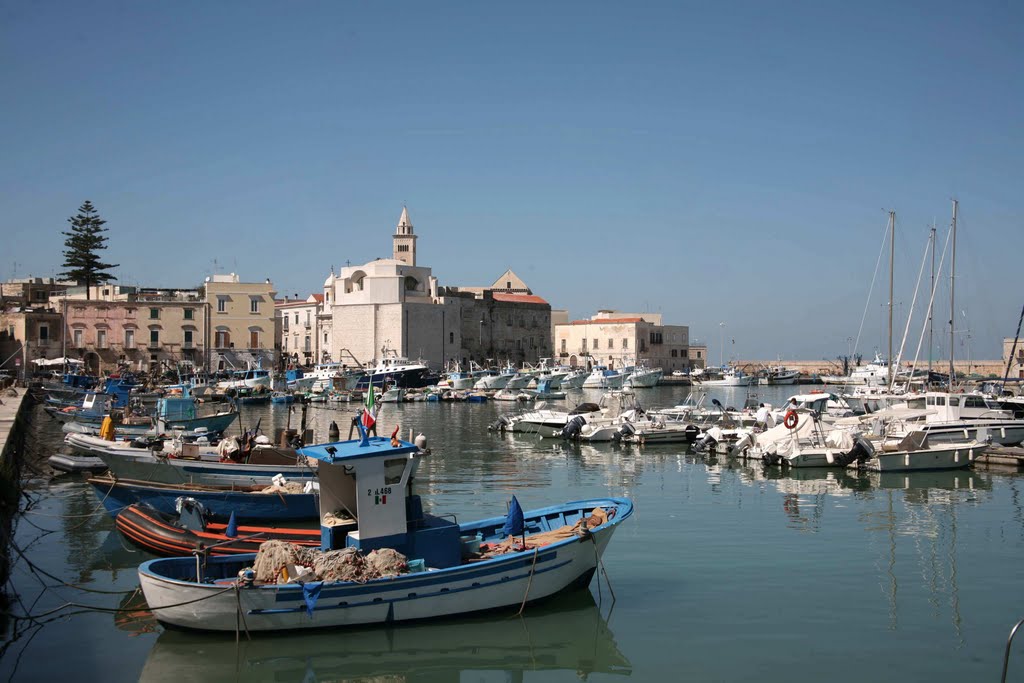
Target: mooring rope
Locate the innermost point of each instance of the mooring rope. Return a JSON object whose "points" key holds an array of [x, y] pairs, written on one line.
{"points": [[533, 567]]}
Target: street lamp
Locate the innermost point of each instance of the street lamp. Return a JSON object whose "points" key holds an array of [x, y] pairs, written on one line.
{"points": [[721, 344]]}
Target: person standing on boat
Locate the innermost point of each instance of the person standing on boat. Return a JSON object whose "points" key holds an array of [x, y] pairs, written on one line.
{"points": [[761, 416]]}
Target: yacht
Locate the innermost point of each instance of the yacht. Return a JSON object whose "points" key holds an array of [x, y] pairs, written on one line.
{"points": [[251, 378], [779, 374], [393, 369], [644, 377]]}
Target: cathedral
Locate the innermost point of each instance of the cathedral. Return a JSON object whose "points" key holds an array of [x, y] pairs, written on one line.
{"points": [[394, 306]]}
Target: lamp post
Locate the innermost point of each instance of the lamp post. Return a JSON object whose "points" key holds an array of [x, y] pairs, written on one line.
{"points": [[721, 344]]}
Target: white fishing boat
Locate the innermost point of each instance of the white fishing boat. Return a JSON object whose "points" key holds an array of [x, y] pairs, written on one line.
{"points": [[602, 377], [643, 377], [728, 377], [573, 379], [435, 568], [779, 374], [250, 378]]}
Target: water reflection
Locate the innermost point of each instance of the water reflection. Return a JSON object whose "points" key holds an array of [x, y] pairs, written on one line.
{"points": [[568, 633]]}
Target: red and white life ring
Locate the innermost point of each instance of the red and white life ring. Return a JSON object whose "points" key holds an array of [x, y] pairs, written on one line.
{"points": [[791, 419]]}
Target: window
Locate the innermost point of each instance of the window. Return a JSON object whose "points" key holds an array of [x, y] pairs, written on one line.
{"points": [[222, 339], [44, 332], [307, 319], [563, 346], [254, 304], [594, 345], [154, 314], [698, 355], [129, 339], [325, 338], [284, 344], [625, 343], [296, 318], [188, 339], [190, 314], [222, 304], [953, 401], [451, 338], [254, 339], [508, 284], [79, 338], [675, 353], [610, 345], [154, 337], [308, 346], [101, 339]]}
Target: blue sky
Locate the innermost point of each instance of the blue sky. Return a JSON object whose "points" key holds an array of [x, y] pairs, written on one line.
{"points": [[716, 162]]}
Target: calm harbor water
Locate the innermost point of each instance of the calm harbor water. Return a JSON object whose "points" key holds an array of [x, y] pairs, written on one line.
{"points": [[724, 573]]}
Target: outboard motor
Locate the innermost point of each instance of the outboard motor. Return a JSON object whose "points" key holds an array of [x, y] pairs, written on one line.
{"points": [[709, 441], [572, 428], [692, 432], [861, 452], [626, 429], [191, 513], [500, 425]]}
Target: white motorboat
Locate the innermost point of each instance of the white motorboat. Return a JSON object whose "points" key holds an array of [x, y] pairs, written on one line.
{"points": [[511, 395], [915, 452], [954, 417]]}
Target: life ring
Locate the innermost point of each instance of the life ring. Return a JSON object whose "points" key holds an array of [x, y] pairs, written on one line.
{"points": [[791, 419]]}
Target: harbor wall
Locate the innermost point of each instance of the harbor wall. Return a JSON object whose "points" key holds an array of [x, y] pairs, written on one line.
{"points": [[14, 408], [832, 367]]}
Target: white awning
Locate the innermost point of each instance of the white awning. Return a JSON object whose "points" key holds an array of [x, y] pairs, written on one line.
{"points": [[58, 361]]}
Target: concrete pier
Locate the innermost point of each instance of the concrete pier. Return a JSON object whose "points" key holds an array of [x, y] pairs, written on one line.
{"points": [[14, 406]]}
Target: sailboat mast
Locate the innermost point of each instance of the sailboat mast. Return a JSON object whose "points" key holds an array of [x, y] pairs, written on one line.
{"points": [[952, 290], [892, 258], [931, 304]]}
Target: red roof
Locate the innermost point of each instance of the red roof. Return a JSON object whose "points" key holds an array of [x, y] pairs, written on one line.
{"points": [[319, 298], [519, 298], [603, 321]]}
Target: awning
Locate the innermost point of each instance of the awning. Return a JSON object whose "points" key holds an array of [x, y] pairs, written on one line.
{"points": [[58, 361]]}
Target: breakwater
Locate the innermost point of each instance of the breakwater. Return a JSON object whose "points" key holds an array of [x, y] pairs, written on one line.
{"points": [[14, 406]]}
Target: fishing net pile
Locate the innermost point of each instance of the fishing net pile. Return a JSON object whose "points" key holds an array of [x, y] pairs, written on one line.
{"points": [[277, 561], [285, 487], [596, 518]]}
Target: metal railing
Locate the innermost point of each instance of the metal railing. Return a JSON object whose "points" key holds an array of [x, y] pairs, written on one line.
{"points": [[1009, 641]]}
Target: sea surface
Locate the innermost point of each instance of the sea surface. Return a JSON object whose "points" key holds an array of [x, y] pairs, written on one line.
{"points": [[725, 572]]}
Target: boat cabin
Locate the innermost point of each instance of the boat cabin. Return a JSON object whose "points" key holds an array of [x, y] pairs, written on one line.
{"points": [[370, 480], [946, 407]]}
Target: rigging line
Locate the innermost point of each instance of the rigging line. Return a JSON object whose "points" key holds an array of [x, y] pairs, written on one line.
{"points": [[910, 317], [931, 302], [863, 317]]}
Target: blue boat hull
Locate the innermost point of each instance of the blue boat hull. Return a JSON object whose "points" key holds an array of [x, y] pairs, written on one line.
{"points": [[246, 506], [506, 581]]}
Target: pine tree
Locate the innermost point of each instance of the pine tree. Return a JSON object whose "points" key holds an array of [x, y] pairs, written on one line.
{"points": [[84, 241]]}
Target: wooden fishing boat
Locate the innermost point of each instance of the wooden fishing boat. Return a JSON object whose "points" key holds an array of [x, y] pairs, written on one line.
{"points": [[167, 534], [246, 502], [560, 548]]}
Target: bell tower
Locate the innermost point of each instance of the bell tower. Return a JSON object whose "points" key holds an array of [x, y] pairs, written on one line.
{"points": [[404, 240]]}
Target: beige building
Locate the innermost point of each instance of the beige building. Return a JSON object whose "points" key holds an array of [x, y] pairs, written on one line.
{"points": [[28, 334], [615, 339], [240, 322], [1017, 364]]}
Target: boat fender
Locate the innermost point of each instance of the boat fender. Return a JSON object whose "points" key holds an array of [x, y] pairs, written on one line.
{"points": [[791, 419]]}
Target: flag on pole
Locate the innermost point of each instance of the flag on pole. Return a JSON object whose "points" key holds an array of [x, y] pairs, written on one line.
{"points": [[370, 410]]}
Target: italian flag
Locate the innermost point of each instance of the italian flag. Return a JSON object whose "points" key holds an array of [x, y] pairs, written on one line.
{"points": [[370, 411]]}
